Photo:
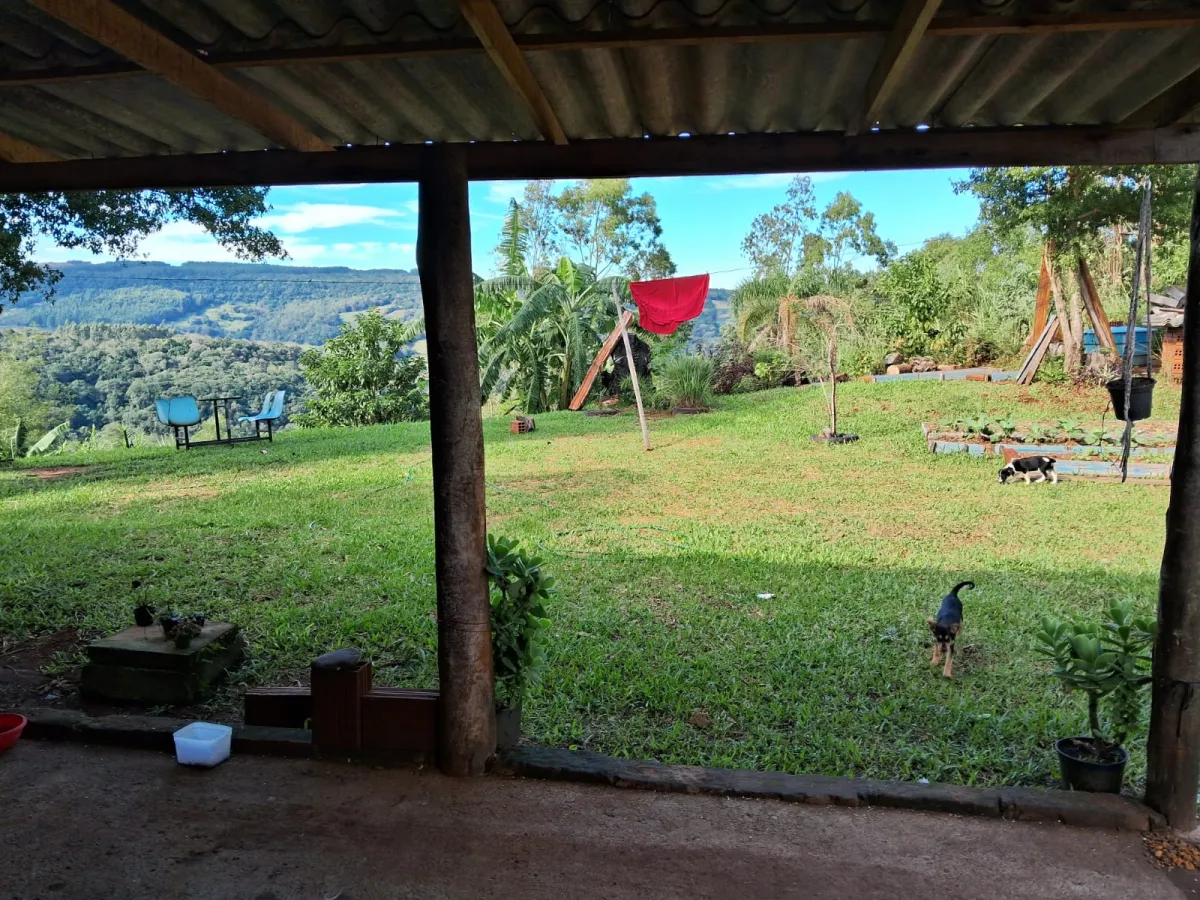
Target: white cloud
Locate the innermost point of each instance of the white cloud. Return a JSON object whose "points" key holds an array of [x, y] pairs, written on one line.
{"points": [[412, 206], [502, 191], [177, 242], [304, 217], [773, 180]]}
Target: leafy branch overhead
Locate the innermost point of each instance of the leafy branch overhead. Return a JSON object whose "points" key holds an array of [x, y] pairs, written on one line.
{"points": [[116, 222]]}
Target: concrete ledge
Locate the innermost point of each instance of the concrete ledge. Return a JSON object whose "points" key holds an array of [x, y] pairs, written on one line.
{"points": [[1019, 804], [155, 733]]}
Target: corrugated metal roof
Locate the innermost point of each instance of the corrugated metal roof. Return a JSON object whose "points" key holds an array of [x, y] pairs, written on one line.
{"points": [[1080, 78]]}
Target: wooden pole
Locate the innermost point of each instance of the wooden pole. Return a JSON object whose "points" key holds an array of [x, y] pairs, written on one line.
{"points": [[1173, 748], [637, 391], [467, 731]]}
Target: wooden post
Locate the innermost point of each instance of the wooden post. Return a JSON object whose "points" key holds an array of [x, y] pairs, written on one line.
{"points": [[468, 726], [637, 391], [1173, 748]]}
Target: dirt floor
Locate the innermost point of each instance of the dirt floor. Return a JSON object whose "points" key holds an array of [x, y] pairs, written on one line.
{"points": [[102, 822]]}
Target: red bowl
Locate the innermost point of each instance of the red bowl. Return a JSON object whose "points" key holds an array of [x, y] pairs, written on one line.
{"points": [[11, 726]]}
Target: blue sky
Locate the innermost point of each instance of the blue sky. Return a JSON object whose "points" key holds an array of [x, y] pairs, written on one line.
{"points": [[704, 219]]}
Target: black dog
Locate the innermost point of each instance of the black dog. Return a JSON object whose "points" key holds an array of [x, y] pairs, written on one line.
{"points": [[1027, 465], [947, 626]]}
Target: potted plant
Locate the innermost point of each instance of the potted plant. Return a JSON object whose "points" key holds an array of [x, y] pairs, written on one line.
{"points": [[520, 590], [1109, 662]]}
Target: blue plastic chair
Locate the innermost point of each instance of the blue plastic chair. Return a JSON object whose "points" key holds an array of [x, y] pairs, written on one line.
{"points": [[180, 413], [271, 411]]}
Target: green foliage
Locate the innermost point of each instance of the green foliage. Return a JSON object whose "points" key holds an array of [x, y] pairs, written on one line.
{"points": [[1071, 429], [1007, 427], [1109, 661], [792, 236], [116, 222], [980, 425], [538, 334], [520, 590], [770, 366], [20, 435], [920, 316], [365, 376], [599, 223], [1053, 371], [50, 439], [1039, 434], [686, 380], [306, 305], [110, 375], [1071, 205], [1092, 436]]}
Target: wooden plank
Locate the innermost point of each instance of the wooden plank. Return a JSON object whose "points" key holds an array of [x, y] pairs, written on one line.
{"points": [[485, 21], [110, 25], [624, 157], [1041, 309], [632, 38], [1095, 309], [606, 350], [401, 719], [1172, 105], [1034, 361], [898, 53], [15, 150], [1173, 745]]}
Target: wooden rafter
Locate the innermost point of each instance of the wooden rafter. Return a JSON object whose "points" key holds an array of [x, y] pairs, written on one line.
{"points": [[108, 24], [750, 154], [1175, 103], [15, 150], [621, 39], [898, 53], [485, 21]]}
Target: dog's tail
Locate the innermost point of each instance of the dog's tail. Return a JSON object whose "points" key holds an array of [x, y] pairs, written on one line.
{"points": [[958, 587]]}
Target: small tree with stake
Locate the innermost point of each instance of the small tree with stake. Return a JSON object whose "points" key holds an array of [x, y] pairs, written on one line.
{"points": [[824, 318]]}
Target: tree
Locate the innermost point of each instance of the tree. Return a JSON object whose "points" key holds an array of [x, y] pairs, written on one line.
{"points": [[792, 236], [762, 306], [599, 223], [539, 333], [1072, 208], [921, 316], [824, 318], [116, 222], [776, 239], [364, 376], [21, 404]]}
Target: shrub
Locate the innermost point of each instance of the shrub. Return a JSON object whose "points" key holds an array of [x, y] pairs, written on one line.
{"points": [[686, 380], [519, 593]]}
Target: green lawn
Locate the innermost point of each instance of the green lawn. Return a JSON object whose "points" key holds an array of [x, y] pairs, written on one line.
{"points": [[662, 647]]}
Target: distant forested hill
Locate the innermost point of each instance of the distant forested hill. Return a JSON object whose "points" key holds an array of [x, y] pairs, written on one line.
{"points": [[257, 302], [244, 300], [109, 375]]}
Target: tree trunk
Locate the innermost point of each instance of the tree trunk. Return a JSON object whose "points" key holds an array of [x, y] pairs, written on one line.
{"points": [[1070, 339], [467, 731], [1173, 748], [833, 384], [1076, 311]]}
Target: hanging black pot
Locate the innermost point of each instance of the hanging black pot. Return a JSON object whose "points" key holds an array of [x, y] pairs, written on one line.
{"points": [[1141, 397]]}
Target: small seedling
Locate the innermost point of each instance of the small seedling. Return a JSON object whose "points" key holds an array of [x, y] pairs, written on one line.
{"points": [[979, 425], [1007, 427], [1039, 434], [1093, 436], [1070, 428]]}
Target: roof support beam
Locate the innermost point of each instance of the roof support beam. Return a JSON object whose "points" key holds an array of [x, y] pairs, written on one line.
{"points": [[485, 21], [108, 24], [717, 155], [898, 53], [1172, 105], [620, 39], [15, 150]]}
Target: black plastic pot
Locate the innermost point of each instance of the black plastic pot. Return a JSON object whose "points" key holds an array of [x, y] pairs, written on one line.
{"points": [[1141, 397], [508, 726], [1083, 775]]}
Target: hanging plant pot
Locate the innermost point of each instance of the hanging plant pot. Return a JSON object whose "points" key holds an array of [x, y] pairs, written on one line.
{"points": [[1080, 773], [1141, 397]]}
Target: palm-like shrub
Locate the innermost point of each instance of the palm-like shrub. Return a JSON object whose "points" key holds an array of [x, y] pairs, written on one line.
{"points": [[686, 380]]}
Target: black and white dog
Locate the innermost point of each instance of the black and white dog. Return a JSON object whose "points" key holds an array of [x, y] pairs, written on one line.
{"points": [[1028, 465]]}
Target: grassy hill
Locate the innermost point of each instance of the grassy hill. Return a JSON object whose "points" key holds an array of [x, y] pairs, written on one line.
{"points": [[258, 302], [739, 597]]}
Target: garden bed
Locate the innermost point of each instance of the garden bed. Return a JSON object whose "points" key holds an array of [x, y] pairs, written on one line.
{"points": [[1097, 455]]}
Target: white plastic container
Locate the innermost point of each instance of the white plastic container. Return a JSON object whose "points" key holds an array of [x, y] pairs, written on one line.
{"points": [[203, 744]]}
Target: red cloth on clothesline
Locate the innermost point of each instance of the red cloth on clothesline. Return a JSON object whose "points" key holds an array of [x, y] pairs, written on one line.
{"points": [[666, 304]]}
